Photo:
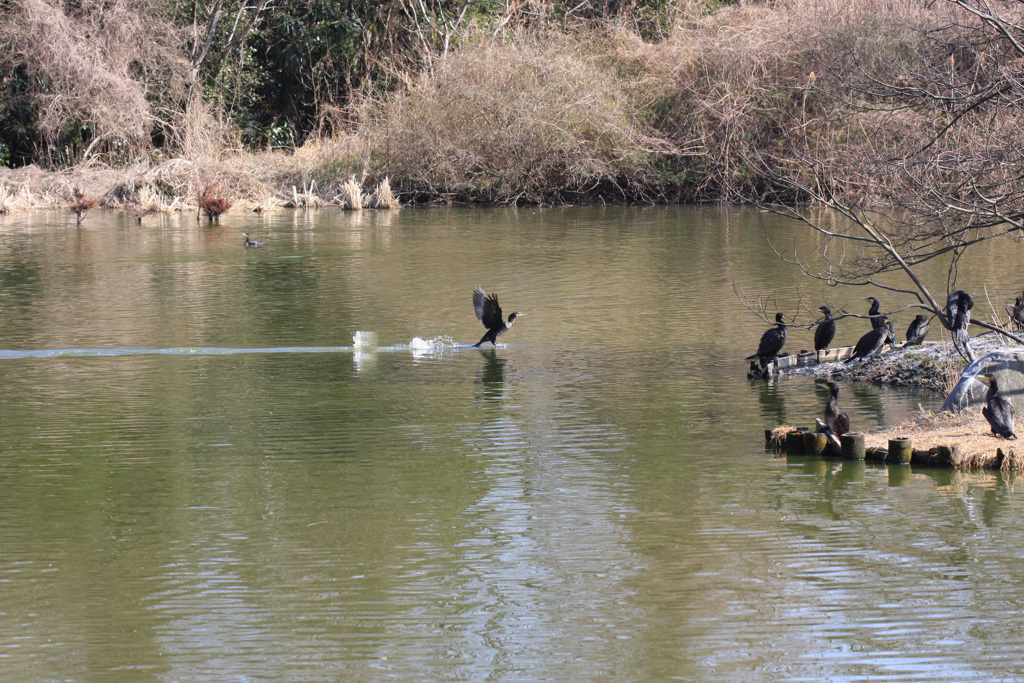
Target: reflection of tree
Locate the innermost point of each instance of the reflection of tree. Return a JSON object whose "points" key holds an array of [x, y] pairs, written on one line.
{"points": [[773, 407]]}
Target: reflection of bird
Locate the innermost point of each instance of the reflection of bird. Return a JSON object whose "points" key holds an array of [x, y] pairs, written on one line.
{"points": [[918, 330], [876, 319], [998, 411], [826, 331], [838, 422], [252, 243], [872, 341], [489, 313], [958, 311], [772, 342]]}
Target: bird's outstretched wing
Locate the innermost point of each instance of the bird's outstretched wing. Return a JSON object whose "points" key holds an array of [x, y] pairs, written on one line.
{"points": [[487, 309]]}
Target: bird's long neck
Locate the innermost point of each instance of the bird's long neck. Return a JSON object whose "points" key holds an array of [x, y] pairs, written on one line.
{"points": [[832, 407]]}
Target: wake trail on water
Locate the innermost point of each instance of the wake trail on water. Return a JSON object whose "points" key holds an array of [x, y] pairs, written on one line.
{"points": [[364, 344]]}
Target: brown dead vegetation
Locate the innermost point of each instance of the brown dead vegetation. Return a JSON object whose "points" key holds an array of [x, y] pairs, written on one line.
{"points": [[86, 63], [212, 202], [539, 114], [81, 204], [967, 434]]}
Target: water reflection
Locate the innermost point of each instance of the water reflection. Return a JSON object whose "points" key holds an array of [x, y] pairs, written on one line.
{"points": [[205, 479], [492, 376]]}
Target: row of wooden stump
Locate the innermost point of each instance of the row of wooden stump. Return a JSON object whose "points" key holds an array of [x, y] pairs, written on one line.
{"points": [[801, 441]]}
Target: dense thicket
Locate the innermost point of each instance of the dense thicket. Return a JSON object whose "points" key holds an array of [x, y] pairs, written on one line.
{"points": [[531, 101], [120, 76]]}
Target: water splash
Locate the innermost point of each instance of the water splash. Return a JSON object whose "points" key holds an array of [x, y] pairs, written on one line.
{"points": [[364, 341], [442, 342]]}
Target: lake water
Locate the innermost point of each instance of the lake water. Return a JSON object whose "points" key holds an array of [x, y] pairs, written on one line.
{"points": [[203, 477]]}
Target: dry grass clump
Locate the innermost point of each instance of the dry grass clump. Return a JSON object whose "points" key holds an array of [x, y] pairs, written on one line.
{"points": [[307, 199], [94, 66], [350, 195], [382, 197], [535, 120], [81, 204], [967, 434], [212, 202]]}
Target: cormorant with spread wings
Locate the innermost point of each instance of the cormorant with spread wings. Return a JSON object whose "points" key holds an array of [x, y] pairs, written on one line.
{"points": [[488, 311]]}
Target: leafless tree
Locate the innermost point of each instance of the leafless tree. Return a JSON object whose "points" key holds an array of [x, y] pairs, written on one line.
{"points": [[952, 181]]}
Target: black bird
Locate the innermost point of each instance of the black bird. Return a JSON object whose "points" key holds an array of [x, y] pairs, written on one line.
{"points": [[998, 411], [837, 421], [252, 243], [876, 319], [489, 313], [872, 341], [772, 342], [958, 311], [826, 331], [918, 330], [1016, 312]]}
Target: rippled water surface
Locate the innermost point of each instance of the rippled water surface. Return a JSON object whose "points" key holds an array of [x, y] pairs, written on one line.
{"points": [[207, 474]]}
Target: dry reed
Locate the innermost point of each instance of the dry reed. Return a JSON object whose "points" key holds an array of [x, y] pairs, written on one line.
{"points": [[382, 197], [350, 195]]}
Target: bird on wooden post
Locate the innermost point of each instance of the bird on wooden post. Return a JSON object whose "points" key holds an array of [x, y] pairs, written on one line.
{"points": [[771, 343], [872, 342], [837, 421], [825, 333]]}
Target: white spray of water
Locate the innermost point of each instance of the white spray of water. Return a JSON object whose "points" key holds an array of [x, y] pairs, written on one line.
{"points": [[364, 341]]}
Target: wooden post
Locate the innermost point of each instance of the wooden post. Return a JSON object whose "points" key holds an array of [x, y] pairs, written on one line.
{"points": [[900, 451], [795, 443], [815, 443], [852, 445]]}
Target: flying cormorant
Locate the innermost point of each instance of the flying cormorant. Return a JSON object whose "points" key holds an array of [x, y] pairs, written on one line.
{"points": [[252, 243], [876, 319], [489, 313], [837, 421], [958, 310], [772, 342], [918, 330], [872, 341], [998, 411], [826, 331]]}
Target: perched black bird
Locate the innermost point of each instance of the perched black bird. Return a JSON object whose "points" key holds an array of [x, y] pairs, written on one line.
{"points": [[958, 312], [917, 331], [826, 331], [252, 243], [890, 331], [998, 411], [872, 342], [489, 313], [1016, 312], [837, 421], [876, 319], [772, 342]]}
